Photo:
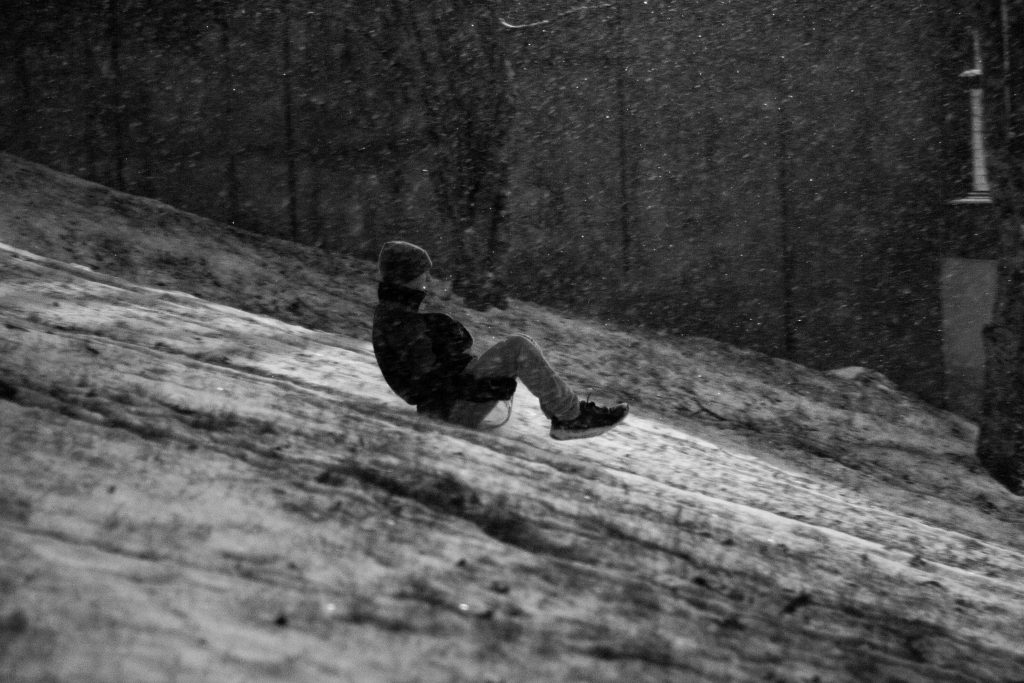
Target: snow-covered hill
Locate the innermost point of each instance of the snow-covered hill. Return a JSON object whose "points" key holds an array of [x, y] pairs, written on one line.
{"points": [[203, 477]]}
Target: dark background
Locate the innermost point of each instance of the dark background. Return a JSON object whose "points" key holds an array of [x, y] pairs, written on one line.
{"points": [[775, 175]]}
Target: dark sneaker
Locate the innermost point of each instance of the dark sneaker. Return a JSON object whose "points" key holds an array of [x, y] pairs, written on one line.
{"points": [[593, 420]]}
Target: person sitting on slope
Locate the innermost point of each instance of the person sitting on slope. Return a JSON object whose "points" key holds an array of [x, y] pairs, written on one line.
{"points": [[426, 358]]}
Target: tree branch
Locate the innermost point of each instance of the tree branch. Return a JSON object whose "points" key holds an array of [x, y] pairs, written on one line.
{"points": [[560, 15]]}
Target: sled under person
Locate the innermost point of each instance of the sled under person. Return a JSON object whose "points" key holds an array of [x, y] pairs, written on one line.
{"points": [[426, 359]]}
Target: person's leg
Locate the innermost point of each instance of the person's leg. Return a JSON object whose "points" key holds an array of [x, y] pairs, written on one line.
{"points": [[519, 356]]}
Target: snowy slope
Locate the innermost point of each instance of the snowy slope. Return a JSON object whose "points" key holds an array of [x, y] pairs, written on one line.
{"points": [[199, 492]]}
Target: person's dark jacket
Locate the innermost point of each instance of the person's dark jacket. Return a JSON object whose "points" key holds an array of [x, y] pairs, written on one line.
{"points": [[423, 356]]}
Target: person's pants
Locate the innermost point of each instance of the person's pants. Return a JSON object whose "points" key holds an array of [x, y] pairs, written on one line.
{"points": [[518, 356]]}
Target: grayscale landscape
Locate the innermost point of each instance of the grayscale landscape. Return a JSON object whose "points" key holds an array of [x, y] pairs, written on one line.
{"points": [[203, 477]]}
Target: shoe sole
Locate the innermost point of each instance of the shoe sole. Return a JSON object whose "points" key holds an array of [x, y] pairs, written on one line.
{"points": [[570, 434]]}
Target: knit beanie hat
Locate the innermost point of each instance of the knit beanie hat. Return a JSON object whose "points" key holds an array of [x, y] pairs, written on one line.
{"points": [[399, 262]]}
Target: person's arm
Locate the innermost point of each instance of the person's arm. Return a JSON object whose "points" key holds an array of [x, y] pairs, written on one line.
{"points": [[427, 375], [442, 359]]}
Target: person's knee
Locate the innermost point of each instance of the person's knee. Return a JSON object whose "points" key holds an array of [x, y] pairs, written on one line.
{"points": [[524, 346], [522, 340]]}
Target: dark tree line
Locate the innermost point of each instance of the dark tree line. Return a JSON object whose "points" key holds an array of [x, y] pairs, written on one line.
{"points": [[364, 89]]}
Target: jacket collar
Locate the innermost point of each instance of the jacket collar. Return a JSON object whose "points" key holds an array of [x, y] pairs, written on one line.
{"points": [[403, 296]]}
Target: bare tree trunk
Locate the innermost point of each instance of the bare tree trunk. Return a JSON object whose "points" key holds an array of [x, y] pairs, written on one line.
{"points": [[784, 183], [497, 161], [289, 125], [318, 148], [463, 81], [116, 95], [227, 78], [622, 98], [22, 133], [498, 214], [1001, 440], [181, 170]]}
